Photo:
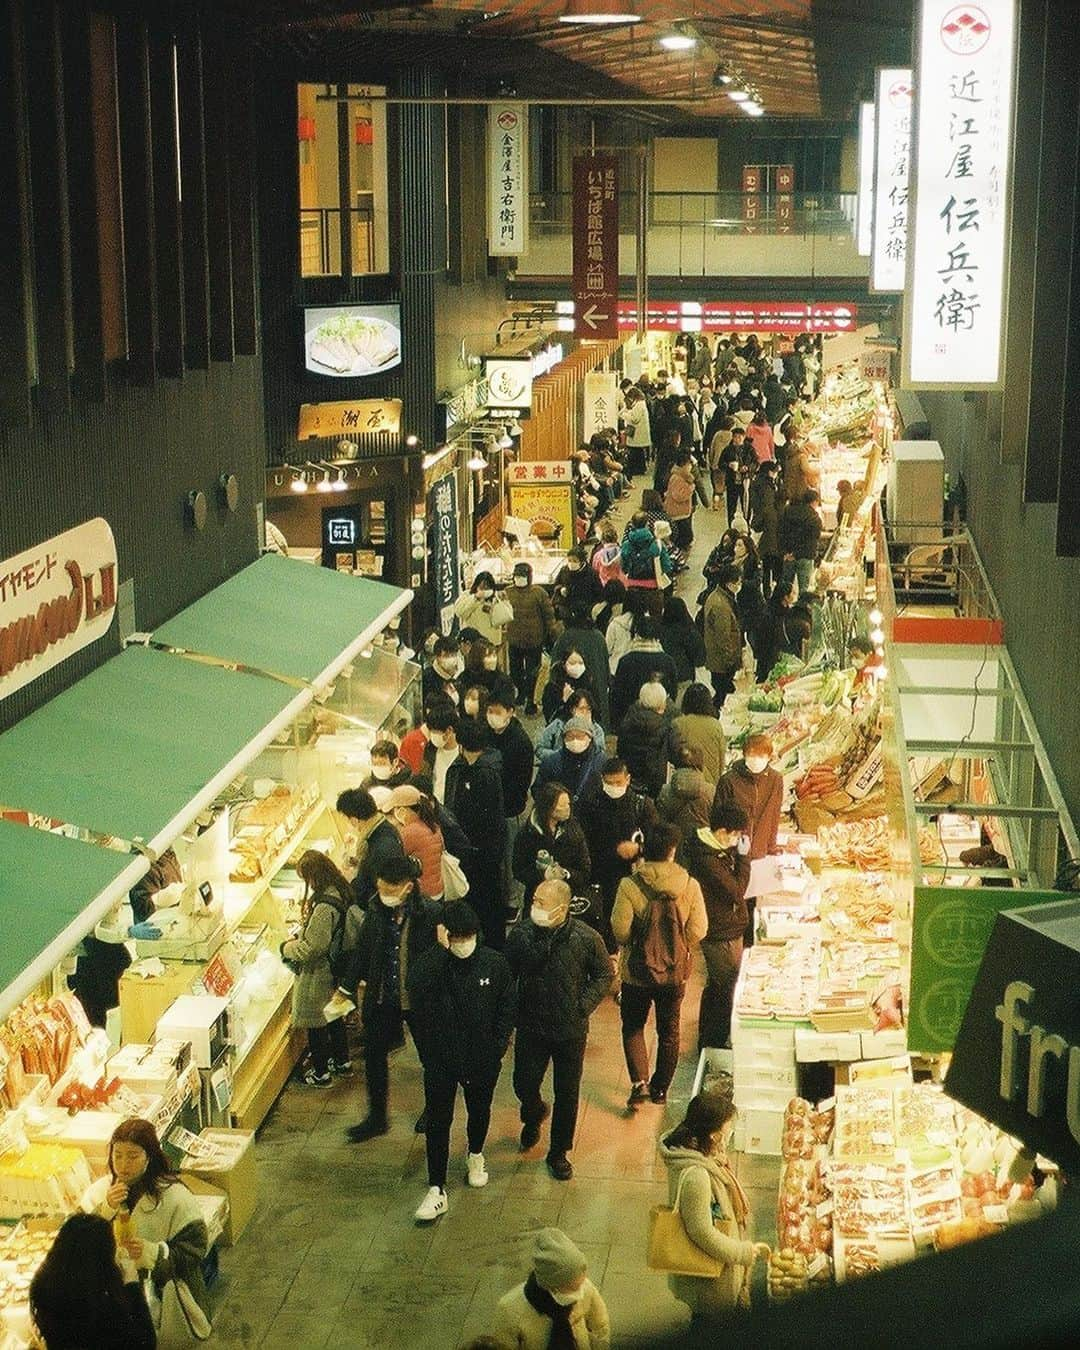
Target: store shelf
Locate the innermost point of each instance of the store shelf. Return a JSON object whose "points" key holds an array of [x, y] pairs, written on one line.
{"points": [[272, 1011], [266, 1069], [241, 899]]}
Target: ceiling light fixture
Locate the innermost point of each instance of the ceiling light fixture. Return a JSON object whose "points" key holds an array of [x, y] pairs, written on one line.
{"points": [[738, 95], [298, 483], [477, 461], [753, 108], [722, 78], [504, 442], [599, 12], [678, 42]]}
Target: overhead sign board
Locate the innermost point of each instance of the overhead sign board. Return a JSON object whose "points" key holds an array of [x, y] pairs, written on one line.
{"points": [[892, 164], [509, 382], [362, 416], [761, 316], [596, 246], [508, 179]]}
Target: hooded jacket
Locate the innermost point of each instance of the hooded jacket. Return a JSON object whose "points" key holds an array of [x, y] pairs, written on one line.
{"points": [[463, 1012], [639, 550], [686, 800], [723, 633], [647, 744], [761, 796], [669, 878], [563, 974], [574, 772], [723, 875]]}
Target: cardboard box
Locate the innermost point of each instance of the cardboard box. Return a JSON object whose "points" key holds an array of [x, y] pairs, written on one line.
{"points": [[884, 1044], [764, 1131], [815, 1047], [213, 1205], [711, 1060], [748, 1040], [758, 1099], [237, 1176], [779, 1055], [759, 1079]]}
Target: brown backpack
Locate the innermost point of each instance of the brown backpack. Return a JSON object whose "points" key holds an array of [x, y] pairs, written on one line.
{"points": [[658, 953]]}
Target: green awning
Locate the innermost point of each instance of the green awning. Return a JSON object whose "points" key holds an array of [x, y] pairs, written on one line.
{"points": [[129, 747], [48, 885], [284, 616]]}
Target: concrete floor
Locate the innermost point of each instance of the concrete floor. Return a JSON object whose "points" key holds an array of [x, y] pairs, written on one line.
{"points": [[333, 1258]]}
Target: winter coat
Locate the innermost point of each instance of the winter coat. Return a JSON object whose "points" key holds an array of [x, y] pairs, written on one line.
{"points": [[463, 1012], [800, 530], [574, 772], [550, 740], [636, 668], [765, 515], [617, 638], [474, 795], [640, 549], [607, 564], [683, 644], [434, 686], [376, 847], [582, 588], [708, 1215], [669, 878], [760, 436], [761, 797], [567, 847], [309, 955], [488, 617], [367, 949], [555, 697], [534, 624], [110, 1323], [518, 1326], [608, 821], [679, 494], [426, 846], [516, 753], [638, 425], [647, 744], [562, 973], [768, 638], [685, 801], [750, 602], [723, 875], [701, 732], [590, 643], [723, 633]]}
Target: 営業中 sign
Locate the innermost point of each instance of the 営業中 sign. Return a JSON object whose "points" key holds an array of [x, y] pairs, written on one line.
{"points": [[596, 246], [892, 164], [508, 179]]}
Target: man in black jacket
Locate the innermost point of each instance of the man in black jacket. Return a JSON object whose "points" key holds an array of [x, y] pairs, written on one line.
{"points": [[374, 840], [563, 973], [615, 819], [515, 749], [647, 740], [718, 860], [398, 928], [474, 795], [800, 537], [463, 1001]]}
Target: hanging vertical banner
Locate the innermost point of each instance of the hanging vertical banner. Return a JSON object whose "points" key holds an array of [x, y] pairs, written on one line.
{"points": [[596, 246], [956, 279], [599, 408], [892, 163], [864, 212], [508, 179], [751, 202], [442, 517], [785, 198]]}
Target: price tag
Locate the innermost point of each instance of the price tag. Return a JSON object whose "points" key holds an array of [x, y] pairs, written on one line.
{"points": [[817, 1265], [825, 1208], [995, 1214]]}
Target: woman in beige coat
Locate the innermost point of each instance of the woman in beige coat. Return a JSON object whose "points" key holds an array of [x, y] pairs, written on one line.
{"points": [[558, 1307], [712, 1204]]}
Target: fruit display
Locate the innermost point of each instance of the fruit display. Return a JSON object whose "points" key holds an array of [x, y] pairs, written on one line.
{"points": [[788, 1274]]}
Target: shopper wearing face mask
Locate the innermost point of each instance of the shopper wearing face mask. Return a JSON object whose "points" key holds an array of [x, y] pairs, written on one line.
{"points": [[646, 740], [551, 844], [442, 747], [759, 790], [723, 632], [371, 840], [615, 819], [576, 764], [481, 668], [576, 584], [533, 627], [439, 678], [474, 701], [387, 768], [398, 928], [414, 815], [583, 705], [563, 973], [474, 797], [583, 639], [717, 856], [558, 1307], [568, 676], [464, 1002], [483, 608]]}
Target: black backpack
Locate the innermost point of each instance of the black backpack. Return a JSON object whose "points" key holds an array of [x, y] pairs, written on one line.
{"points": [[640, 565], [658, 954]]}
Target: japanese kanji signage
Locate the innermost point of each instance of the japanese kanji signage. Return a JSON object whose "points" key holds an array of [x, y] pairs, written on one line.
{"points": [[509, 382], [785, 198], [875, 365], [543, 490], [598, 409], [751, 202], [445, 581], [864, 213], [961, 189], [55, 599], [363, 417], [508, 179], [596, 246], [765, 316], [892, 162]]}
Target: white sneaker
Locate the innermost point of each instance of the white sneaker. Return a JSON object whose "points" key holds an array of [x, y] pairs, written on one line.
{"points": [[433, 1206], [477, 1174]]}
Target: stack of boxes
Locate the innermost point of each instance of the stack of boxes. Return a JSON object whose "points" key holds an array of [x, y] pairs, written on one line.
{"points": [[765, 1081]]}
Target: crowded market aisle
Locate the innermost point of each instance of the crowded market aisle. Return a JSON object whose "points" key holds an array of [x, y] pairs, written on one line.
{"points": [[333, 1256]]}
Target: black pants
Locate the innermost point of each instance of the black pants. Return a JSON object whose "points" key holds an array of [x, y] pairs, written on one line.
{"points": [[440, 1092], [524, 668], [488, 897], [723, 683], [635, 459], [748, 936], [735, 501], [682, 533], [383, 1029], [532, 1054], [718, 996], [326, 1043], [636, 1001], [772, 565]]}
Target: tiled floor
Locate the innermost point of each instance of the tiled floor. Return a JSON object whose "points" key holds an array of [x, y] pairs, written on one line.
{"points": [[333, 1258]]}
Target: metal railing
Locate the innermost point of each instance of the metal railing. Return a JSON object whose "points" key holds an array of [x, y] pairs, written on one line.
{"points": [[935, 563], [831, 214], [321, 240]]}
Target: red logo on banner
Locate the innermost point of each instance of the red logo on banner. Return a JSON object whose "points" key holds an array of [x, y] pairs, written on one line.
{"points": [[507, 119], [596, 246], [965, 30], [900, 94]]}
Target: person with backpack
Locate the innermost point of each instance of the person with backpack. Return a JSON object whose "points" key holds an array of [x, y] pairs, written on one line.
{"points": [[644, 559], [312, 954], [658, 919], [615, 819]]}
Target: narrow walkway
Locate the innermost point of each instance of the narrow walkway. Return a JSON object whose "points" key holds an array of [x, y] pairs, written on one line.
{"points": [[333, 1258]]}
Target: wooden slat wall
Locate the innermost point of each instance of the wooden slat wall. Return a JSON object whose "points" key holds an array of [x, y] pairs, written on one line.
{"points": [[15, 280], [136, 171], [242, 202], [193, 178], [216, 131], [166, 203]]}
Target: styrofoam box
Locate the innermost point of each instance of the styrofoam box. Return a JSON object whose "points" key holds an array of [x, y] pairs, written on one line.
{"points": [[883, 1044], [780, 1055], [744, 1038], [751, 1100], [764, 1131], [711, 1059], [812, 1047], [771, 1079]]}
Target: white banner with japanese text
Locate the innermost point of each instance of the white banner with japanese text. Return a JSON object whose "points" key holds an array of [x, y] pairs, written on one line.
{"points": [[892, 162], [599, 410], [508, 179]]}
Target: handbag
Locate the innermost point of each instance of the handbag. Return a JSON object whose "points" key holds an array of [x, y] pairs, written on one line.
{"points": [[455, 882], [669, 1247], [178, 1317], [663, 581]]}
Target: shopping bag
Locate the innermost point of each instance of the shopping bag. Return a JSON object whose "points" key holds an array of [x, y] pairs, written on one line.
{"points": [[177, 1316], [455, 882], [669, 1246]]}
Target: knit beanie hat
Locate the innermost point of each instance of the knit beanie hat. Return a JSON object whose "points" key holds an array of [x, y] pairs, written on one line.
{"points": [[581, 727], [556, 1261], [653, 695]]}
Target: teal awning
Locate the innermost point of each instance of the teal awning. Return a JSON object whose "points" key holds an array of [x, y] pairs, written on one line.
{"points": [[128, 748], [47, 886], [284, 616]]}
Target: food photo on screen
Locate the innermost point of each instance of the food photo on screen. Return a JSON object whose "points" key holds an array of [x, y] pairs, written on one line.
{"points": [[346, 341]]}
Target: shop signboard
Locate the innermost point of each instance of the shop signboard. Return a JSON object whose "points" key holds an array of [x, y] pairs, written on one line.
{"points": [[951, 927], [596, 246], [348, 341], [761, 316], [509, 383], [785, 198], [961, 190], [864, 210], [445, 574], [55, 599], [892, 164], [543, 490], [751, 202], [1016, 1060], [362, 416], [599, 409], [508, 179], [876, 365]]}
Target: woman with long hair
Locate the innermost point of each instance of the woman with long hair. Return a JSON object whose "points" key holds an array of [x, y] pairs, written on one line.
{"points": [[481, 666], [86, 1293], [327, 897]]}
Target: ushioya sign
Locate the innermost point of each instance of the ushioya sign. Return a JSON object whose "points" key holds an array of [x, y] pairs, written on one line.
{"points": [[55, 599]]}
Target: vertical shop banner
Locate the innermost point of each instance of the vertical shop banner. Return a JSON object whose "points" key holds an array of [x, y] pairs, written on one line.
{"points": [[599, 409], [956, 278], [596, 246], [543, 491], [508, 179], [892, 165], [751, 202], [785, 198], [445, 581], [864, 210]]}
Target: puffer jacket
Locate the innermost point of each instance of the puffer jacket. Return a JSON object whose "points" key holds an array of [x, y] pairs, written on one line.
{"points": [[463, 1011], [669, 878], [685, 801], [563, 975], [567, 847], [534, 623], [723, 632], [488, 617], [518, 1326], [679, 494], [800, 530], [647, 744], [639, 551], [723, 875]]}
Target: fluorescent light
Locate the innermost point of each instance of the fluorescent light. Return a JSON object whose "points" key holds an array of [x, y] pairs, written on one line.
{"points": [[298, 484], [738, 95], [599, 12], [504, 442], [753, 109], [677, 42], [722, 77], [564, 306]]}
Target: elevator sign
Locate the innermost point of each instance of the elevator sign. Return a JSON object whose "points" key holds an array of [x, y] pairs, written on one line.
{"points": [[596, 246]]}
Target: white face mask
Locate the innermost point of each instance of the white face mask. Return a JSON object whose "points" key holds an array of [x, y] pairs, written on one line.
{"points": [[463, 948], [615, 790], [521, 581], [575, 669], [491, 662], [577, 745], [449, 666], [755, 763], [544, 918], [382, 771], [567, 1298], [393, 901], [472, 706], [485, 595], [437, 739], [498, 722]]}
